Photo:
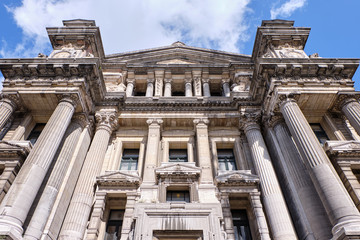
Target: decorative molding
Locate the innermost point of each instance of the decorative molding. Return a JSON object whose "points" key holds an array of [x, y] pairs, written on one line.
{"points": [[343, 148], [345, 98], [154, 121], [178, 171], [119, 178], [201, 121]]}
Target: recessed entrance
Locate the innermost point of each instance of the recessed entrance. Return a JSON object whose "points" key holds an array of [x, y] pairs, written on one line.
{"points": [[178, 235]]}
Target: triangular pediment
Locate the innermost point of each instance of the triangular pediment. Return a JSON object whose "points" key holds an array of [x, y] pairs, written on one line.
{"points": [[239, 177], [188, 168], [177, 54], [119, 178], [343, 147]]}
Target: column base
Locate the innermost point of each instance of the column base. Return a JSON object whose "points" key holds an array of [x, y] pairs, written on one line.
{"points": [[347, 230], [10, 231]]}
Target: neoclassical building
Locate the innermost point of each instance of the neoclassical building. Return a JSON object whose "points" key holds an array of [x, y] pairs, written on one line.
{"points": [[179, 142]]}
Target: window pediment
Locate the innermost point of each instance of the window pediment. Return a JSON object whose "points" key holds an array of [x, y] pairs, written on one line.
{"points": [[236, 178], [119, 178], [182, 170]]}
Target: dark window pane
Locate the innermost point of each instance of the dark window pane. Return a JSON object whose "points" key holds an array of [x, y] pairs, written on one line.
{"points": [[129, 159], [241, 225], [319, 133], [178, 155], [114, 224], [35, 133], [177, 196], [226, 159]]}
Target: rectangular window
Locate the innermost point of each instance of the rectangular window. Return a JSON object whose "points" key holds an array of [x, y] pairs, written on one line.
{"points": [[241, 225], [114, 224], [226, 159], [178, 155], [177, 196], [319, 133], [129, 159], [35, 133]]}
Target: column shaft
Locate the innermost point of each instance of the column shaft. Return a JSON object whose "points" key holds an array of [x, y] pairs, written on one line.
{"points": [[188, 88], [351, 109], [62, 202], [257, 209], [226, 88], [96, 216], [50, 192], [206, 88], [279, 218], [78, 212], [7, 108], [130, 87], [167, 91], [300, 189], [19, 199], [338, 204], [150, 88]]}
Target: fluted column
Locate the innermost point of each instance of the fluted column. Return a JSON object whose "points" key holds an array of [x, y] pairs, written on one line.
{"points": [[203, 150], [300, 189], [21, 129], [50, 192], [338, 204], [8, 106], [226, 87], [257, 209], [167, 90], [278, 215], [152, 150], [206, 87], [130, 87], [350, 106], [78, 212], [22, 193]]}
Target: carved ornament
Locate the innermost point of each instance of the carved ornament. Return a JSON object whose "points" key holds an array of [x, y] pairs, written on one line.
{"points": [[345, 98], [107, 121]]}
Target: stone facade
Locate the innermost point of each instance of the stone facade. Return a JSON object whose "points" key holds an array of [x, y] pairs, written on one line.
{"points": [[179, 142]]}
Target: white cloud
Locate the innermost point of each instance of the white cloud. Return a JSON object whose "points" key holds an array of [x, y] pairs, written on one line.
{"points": [[286, 9], [136, 24]]}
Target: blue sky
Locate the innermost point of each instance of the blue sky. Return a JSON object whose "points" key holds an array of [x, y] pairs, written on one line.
{"points": [[228, 25]]}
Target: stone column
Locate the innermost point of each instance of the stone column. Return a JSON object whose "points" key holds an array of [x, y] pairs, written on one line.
{"points": [[203, 150], [66, 190], [130, 87], [226, 87], [305, 200], [350, 106], [17, 202], [97, 216], [257, 209], [278, 215], [152, 148], [165, 150], [206, 87], [167, 91], [150, 88], [190, 149], [50, 192], [21, 129], [188, 87], [338, 204], [8, 106], [79, 209]]}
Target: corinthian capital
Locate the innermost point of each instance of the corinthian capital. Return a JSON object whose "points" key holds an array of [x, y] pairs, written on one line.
{"points": [[249, 119], [107, 121], [71, 98], [344, 98], [12, 99]]}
